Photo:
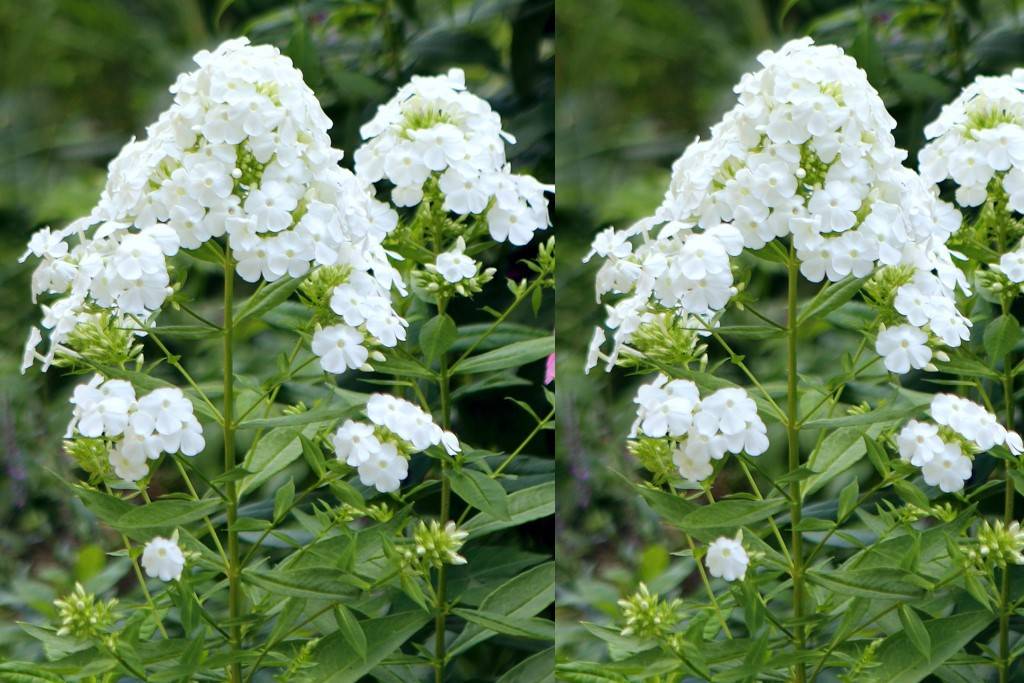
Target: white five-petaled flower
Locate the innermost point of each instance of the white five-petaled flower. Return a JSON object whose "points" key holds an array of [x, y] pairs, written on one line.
{"points": [[903, 347], [727, 559], [163, 559], [454, 266]]}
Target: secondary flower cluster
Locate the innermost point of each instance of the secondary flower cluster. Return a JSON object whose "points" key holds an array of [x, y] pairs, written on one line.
{"points": [[943, 448], [807, 154], [161, 421], [699, 430], [380, 450], [435, 128], [978, 138], [242, 152]]}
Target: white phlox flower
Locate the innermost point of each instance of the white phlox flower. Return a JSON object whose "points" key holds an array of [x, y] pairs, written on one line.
{"points": [[727, 558], [163, 559], [943, 448], [380, 449], [435, 128]]}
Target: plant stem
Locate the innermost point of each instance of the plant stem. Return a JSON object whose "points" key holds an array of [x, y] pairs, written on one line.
{"points": [[446, 494], [230, 489], [793, 441], [1008, 491]]}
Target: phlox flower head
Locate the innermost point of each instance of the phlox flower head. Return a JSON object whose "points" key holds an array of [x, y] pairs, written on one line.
{"points": [[698, 430], [242, 154], [379, 450], [807, 156], [435, 130], [943, 448]]}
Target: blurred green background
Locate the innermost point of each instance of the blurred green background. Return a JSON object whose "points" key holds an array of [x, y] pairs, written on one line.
{"points": [[637, 80], [79, 78]]}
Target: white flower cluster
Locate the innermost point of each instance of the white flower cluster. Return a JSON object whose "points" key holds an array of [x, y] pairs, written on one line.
{"points": [[434, 126], [979, 137], [727, 558], [242, 152], [807, 153], [942, 448], [380, 450], [163, 559], [162, 421], [701, 430]]}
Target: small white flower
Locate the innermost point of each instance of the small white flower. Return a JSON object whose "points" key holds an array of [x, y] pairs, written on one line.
{"points": [[948, 469], [355, 443], [727, 559], [340, 348], [385, 469], [454, 266], [919, 442], [903, 347], [693, 464], [163, 559]]}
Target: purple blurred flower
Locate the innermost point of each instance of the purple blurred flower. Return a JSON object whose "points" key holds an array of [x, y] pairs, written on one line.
{"points": [[549, 370]]}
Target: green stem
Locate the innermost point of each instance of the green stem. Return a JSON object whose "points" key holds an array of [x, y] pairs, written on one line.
{"points": [[440, 656], [1008, 491], [230, 489], [793, 441]]}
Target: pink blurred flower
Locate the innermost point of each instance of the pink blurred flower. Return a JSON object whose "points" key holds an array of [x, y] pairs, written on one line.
{"points": [[549, 370]]}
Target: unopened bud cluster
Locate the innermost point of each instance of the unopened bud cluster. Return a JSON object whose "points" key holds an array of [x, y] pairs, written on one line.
{"points": [[434, 546], [82, 616], [647, 616], [998, 545]]}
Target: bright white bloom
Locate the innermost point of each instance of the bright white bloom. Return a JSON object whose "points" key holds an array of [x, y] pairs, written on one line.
{"points": [[807, 156], [355, 443], [340, 347], [454, 266], [163, 559], [699, 430], [385, 469], [242, 153], [903, 347], [949, 469], [945, 457], [380, 450], [435, 127], [919, 442], [1012, 265], [727, 559]]}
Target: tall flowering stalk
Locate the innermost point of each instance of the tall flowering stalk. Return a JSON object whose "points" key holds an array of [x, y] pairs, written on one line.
{"points": [[802, 173], [239, 173], [977, 142]]}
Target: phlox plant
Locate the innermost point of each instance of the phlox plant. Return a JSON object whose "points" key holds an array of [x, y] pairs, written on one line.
{"points": [[315, 516], [838, 518]]}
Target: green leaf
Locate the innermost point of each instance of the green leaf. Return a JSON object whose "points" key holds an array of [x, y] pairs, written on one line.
{"points": [[915, 630], [166, 514], [884, 414], [321, 583], [879, 584], [283, 498], [830, 298], [529, 627], [186, 332], [538, 668], [524, 506], [350, 629], [16, 672], [511, 356], [277, 449], [437, 336], [847, 500], [1001, 335], [669, 506], [522, 596], [320, 414], [900, 662], [336, 661], [482, 492], [267, 298], [726, 515]]}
